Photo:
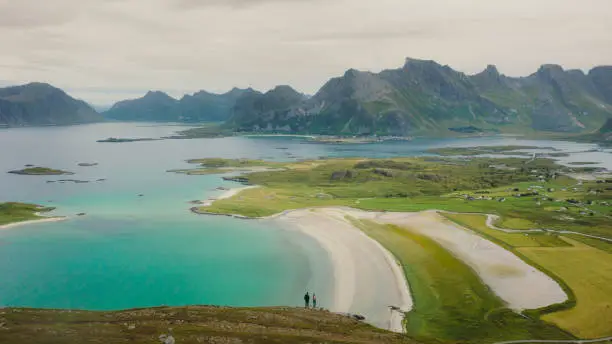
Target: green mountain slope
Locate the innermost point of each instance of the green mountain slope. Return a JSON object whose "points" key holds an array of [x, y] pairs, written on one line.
{"points": [[424, 97], [42, 104]]}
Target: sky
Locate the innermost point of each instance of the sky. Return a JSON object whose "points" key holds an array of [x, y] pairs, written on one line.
{"points": [[103, 51]]}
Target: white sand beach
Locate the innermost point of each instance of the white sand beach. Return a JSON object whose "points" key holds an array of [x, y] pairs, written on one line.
{"points": [[368, 280], [31, 222], [227, 194]]}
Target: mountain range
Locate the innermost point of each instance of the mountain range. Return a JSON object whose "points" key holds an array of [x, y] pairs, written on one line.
{"points": [[420, 98], [157, 106], [42, 104], [424, 97]]}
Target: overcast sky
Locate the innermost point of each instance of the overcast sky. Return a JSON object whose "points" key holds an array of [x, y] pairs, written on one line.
{"points": [[106, 50]]}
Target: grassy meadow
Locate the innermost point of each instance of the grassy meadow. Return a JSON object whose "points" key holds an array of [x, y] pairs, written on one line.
{"points": [[583, 270]]}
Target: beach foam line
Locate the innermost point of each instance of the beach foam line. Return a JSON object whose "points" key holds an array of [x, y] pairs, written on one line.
{"points": [[32, 222]]}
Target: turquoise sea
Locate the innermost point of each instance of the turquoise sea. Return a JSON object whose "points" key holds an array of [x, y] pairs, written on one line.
{"points": [[135, 251]]}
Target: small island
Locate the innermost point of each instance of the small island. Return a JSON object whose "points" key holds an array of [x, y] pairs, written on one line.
{"points": [[87, 164], [40, 171], [123, 140], [13, 212]]}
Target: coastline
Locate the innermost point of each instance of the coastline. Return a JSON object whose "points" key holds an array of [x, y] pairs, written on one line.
{"points": [[32, 222], [367, 278], [227, 194], [356, 281]]}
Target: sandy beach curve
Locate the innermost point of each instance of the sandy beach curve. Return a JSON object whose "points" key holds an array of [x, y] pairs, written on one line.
{"points": [[32, 222], [504, 272], [367, 278]]}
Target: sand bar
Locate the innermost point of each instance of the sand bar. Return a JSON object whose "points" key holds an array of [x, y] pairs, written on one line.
{"points": [[519, 284], [32, 222]]}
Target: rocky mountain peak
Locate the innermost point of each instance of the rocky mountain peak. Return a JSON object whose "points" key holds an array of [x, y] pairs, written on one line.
{"points": [[151, 95], [492, 70]]}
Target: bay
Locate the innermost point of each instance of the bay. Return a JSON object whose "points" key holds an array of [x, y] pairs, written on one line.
{"points": [[139, 245]]}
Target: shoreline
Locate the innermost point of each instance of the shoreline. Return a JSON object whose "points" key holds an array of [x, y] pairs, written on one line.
{"points": [[32, 222], [368, 280], [227, 194], [500, 269]]}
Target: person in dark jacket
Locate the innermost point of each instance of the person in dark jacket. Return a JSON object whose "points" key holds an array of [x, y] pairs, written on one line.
{"points": [[306, 300]]}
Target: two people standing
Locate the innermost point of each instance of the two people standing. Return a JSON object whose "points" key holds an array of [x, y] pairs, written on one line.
{"points": [[307, 300]]}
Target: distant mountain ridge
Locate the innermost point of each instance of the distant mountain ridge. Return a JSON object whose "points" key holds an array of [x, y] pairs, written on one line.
{"points": [[157, 106], [42, 104], [424, 97], [420, 98]]}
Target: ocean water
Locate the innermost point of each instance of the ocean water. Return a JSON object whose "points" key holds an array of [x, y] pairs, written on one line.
{"points": [[135, 251]]}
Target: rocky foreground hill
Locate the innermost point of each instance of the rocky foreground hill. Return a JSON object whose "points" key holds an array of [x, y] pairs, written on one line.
{"points": [[42, 104], [187, 325]]}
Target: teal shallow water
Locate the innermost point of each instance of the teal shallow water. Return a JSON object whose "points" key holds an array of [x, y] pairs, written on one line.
{"points": [[132, 251]]}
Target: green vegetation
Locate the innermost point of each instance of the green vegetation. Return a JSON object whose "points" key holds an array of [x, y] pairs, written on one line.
{"points": [[40, 171], [220, 166], [211, 130], [583, 163], [17, 212], [583, 270], [512, 150], [190, 325], [219, 162], [451, 301], [524, 193]]}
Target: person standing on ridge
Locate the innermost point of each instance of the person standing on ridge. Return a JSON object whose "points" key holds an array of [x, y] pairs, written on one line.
{"points": [[306, 300], [314, 300]]}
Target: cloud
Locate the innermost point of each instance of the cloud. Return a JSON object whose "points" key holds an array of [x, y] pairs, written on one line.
{"points": [[106, 50], [34, 13], [190, 4]]}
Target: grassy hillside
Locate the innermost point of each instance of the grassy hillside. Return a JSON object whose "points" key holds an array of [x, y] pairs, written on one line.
{"points": [[16, 212], [188, 325]]}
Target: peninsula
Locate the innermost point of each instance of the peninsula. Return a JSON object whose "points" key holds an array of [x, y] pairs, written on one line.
{"points": [[501, 223]]}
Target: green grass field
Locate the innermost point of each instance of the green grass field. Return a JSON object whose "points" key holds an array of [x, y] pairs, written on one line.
{"points": [[586, 270], [415, 184], [451, 303]]}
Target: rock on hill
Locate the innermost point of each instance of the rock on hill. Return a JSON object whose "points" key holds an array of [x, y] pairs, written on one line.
{"points": [[189, 325], [42, 104], [158, 106], [424, 97]]}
